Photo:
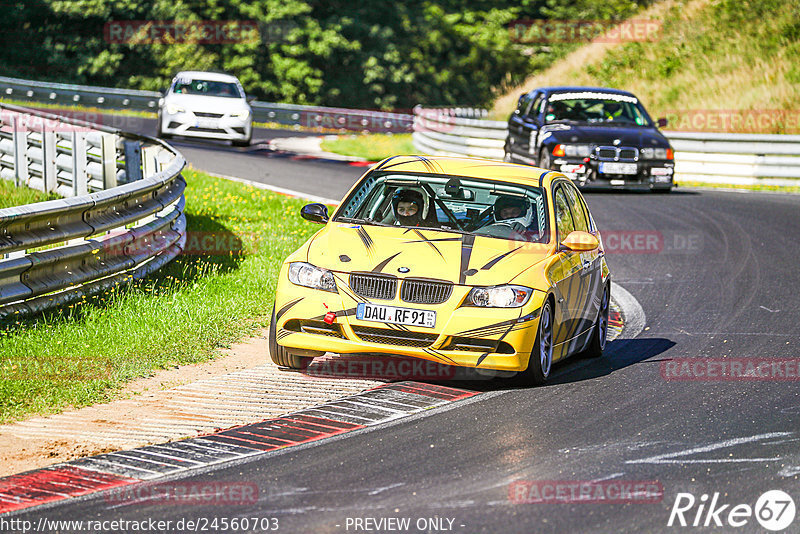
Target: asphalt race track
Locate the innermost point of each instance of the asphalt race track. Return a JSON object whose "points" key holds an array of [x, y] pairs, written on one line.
{"points": [[717, 276]]}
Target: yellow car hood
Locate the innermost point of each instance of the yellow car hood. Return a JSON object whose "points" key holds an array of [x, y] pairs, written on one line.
{"points": [[458, 258]]}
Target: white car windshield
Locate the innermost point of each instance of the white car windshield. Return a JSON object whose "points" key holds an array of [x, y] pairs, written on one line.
{"points": [[595, 110], [454, 204], [207, 88]]}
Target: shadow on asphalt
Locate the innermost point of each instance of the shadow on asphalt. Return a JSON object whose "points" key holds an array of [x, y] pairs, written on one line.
{"points": [[618, 355]]}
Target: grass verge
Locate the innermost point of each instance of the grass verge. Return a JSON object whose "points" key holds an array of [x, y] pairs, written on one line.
{"points": [[754, 187], [11, 195], [83, 353], [372, 147], [33, 104]]}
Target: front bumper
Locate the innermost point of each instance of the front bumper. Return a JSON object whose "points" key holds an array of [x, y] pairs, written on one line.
{"points": [[487, 338], [651, 174], [207, 126]]}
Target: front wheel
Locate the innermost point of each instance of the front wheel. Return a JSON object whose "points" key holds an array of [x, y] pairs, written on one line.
{"points": [[600, 330], [542, 354], [279, 355]]}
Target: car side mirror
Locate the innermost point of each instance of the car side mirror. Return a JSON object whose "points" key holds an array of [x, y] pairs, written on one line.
{"points": [[662, 122], [316, 212], [251, 99], [579, 241]]}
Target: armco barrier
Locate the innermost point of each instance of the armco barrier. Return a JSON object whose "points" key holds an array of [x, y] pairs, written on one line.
{"points": [[122, 217], [742, 159], [286, 114]]}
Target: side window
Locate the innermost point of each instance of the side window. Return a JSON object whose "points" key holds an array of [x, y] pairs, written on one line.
{"points": [[564, 221], [524, 105], [533, 112], [578, 213]]}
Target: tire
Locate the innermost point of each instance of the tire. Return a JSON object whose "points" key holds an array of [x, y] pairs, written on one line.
{"points": [[544, 159], [542, 354], [159, 133], [661, 190], [244, 142], [507, 154], [600, 328], [279, 355]]}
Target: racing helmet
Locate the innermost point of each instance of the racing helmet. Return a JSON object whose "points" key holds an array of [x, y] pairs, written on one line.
{"points": [[524, 213], [413, 196]]}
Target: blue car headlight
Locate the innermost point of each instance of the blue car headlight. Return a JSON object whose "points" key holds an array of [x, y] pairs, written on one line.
{"points": [[307, 275], [506, 296]]}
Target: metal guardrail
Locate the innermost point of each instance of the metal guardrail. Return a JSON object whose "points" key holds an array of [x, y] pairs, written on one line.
{"points": [[742, 159], [122, 217], [286, 114]]}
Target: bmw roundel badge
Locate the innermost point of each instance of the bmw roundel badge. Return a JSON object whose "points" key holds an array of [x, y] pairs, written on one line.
{"points": [[403, 270]]}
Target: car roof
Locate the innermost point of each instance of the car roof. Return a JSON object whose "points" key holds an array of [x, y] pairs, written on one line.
{"points": [[580, 88], [487, 169], [210, 76]]}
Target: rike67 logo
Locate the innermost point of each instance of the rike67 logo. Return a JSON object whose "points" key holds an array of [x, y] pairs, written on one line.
{"points": [[774, 510]]}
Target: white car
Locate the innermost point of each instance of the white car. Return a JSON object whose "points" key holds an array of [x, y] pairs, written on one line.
{"points": [[207, 105]]}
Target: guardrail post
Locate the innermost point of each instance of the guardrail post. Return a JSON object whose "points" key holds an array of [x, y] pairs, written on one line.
{"points": [[108, 149], [149, 162], [80, 179], [20, 153], [49, 176], [133, 160]]}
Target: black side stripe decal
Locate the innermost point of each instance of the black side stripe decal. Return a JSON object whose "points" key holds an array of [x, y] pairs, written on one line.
{"points": [[378, 268], [425, 239], [485, 354], [466, 251], [286, 307], [365, 238], [491, 263]]}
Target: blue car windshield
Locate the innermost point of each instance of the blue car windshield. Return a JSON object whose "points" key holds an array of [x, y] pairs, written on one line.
{"points": [[453, 204]]}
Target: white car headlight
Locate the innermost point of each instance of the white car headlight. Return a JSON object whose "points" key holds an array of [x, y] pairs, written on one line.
{"points": [[656, 153], [307, 275], [172, 109], [507, 296], [243, 115], [580, 151]]}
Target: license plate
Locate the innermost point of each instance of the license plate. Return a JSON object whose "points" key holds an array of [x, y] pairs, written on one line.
{"points": [[613, 167], [391, 314], [208, 123]]}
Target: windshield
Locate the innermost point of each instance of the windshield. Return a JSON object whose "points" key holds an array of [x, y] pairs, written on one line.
{"points": [[453, 204], [207, 88], [595, 108]]}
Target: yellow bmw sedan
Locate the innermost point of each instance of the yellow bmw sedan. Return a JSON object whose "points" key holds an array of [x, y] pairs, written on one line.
{"points": [[464, 262]]}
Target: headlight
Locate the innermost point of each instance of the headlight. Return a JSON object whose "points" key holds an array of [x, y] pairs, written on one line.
{"points": [[241, 114], [579, 151], [307, 275], [656, 153], [172, 109], [499, 297]]}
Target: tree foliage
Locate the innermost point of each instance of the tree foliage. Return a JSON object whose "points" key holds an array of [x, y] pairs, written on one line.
{"points": [[379, 54]]}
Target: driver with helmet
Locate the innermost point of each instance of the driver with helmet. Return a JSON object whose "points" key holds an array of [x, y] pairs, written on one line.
{"points": [[407, 205], [515, 212]]}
